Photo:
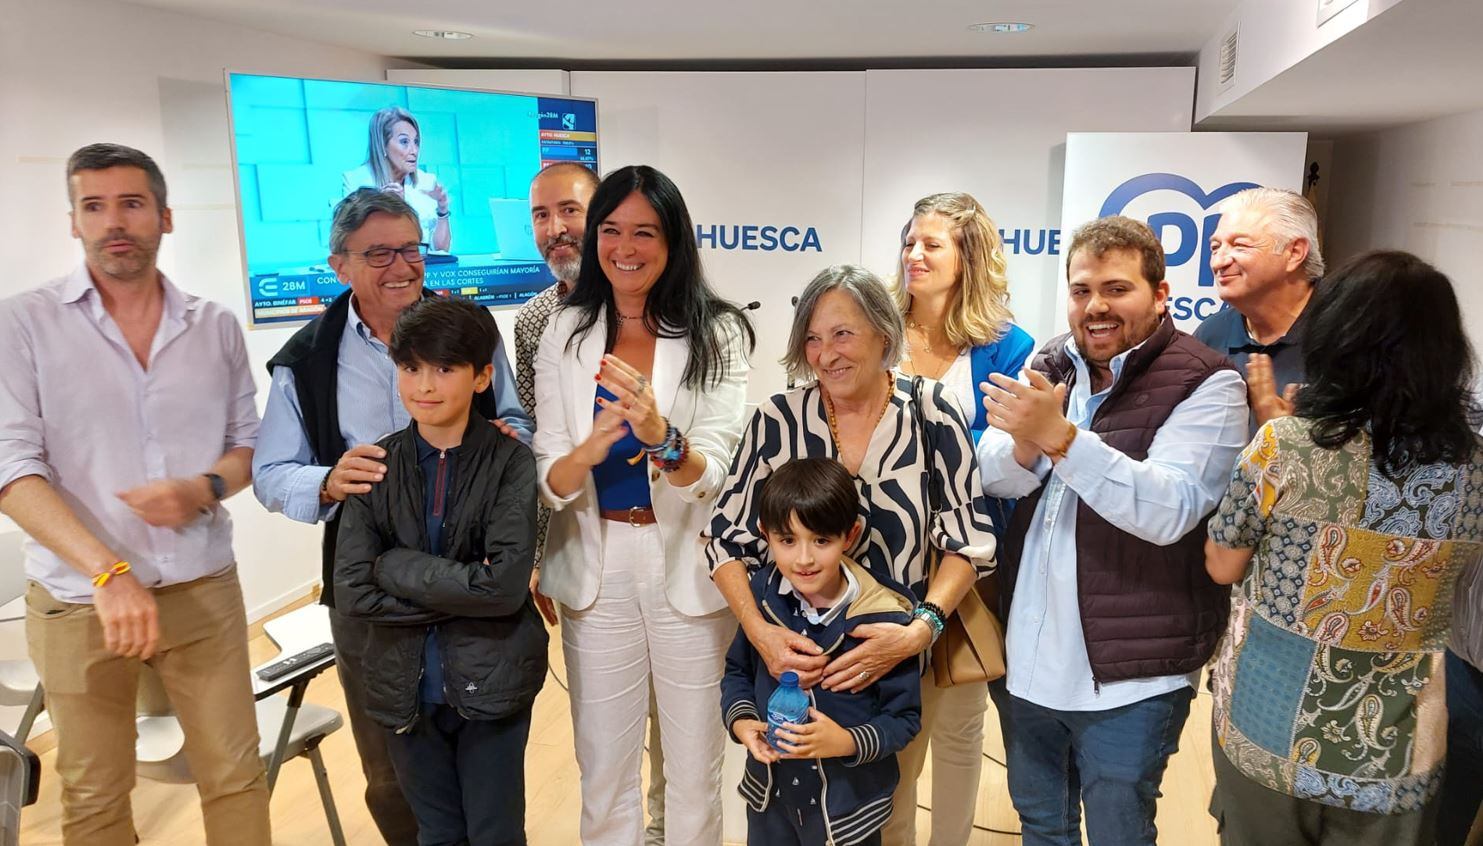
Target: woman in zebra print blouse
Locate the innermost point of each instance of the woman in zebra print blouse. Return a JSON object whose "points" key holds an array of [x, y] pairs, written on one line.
{"points": [[846, 338]]}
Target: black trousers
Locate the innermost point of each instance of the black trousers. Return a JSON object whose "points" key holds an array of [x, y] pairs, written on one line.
{"points": [[781, 825], [465, 779], [384, 799]]}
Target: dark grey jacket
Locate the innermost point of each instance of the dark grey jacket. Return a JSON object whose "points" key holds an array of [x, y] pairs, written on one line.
{"points": [[475, 598]]}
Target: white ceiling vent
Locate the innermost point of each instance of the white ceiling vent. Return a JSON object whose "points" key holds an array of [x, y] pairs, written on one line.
{"points": [[1228, 45]]}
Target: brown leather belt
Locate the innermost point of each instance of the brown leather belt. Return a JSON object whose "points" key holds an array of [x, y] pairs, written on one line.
{"points": [[636, 516]]}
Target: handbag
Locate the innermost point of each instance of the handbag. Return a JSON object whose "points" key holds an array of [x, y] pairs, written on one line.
{"points": [[971, 646]]}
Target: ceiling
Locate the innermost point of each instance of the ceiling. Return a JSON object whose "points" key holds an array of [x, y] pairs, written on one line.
{"points": [[781, 32], [1420, 59]]}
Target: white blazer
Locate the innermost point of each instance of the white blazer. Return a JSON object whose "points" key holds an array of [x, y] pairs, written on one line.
{"points": [[711, 418]]}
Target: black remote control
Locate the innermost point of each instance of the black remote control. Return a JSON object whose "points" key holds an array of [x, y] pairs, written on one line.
{"points": [[279, 669]]}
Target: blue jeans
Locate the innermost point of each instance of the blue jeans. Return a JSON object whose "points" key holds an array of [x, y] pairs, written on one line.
{"points": [[1111, 762], [1462, 788]]}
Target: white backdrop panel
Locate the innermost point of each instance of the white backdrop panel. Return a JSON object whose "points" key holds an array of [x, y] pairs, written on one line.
{"points": [[1000, 135], [747, 149], [1173, 180]]}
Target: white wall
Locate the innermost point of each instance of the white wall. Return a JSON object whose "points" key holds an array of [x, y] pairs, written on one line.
{"points": [[1000, 135], [1418, 188], [1274, 36], [73, 72], [848, 153], [778, 149]]}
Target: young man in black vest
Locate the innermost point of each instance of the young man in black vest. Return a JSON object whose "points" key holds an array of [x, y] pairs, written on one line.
{"points": [[1120, 443], [333, 395]]}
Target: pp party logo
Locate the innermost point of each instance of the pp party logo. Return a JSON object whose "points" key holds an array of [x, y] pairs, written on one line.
{"points": [[1193, 238]]}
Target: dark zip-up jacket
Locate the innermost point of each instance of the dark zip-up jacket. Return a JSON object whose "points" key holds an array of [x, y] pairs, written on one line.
{"points": [[855, 793], [475, 596], [313, 355]]}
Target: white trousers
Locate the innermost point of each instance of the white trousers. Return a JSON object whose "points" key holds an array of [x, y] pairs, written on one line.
{"points": [[953, 723], [627, 638]]}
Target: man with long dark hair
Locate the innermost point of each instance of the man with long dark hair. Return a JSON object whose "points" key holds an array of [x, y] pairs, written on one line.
{"points": [[1347, 526]]}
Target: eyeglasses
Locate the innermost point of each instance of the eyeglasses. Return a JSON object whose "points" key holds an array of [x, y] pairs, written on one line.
{"points": [[384, 256]]}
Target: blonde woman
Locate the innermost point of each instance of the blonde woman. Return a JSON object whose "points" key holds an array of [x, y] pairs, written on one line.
{"points": [[951, 288], [952, 292], [393, 148]]}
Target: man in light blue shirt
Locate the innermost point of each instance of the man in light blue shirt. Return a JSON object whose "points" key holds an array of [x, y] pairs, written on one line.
{"points": [[333, 395], [1120, 444]]}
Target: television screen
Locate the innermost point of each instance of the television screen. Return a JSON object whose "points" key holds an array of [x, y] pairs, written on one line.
{"points": [[462, 159]]}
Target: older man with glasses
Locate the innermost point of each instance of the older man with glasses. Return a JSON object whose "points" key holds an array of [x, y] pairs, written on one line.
{"points": [[333, 395]]}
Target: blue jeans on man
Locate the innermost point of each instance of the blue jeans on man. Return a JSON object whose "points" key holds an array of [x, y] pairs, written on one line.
{"points": [[1462, 787], [1109, 762]]}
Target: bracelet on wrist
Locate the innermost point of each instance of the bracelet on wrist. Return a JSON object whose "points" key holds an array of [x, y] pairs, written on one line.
{"points": [[669, 454], [118, 569], [1065, 446], [935, 609], [931, 618], [671, 434]]}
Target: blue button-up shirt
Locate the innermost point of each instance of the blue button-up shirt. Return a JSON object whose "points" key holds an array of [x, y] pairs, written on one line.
{"points": [[284, 475], [1158, 500]]}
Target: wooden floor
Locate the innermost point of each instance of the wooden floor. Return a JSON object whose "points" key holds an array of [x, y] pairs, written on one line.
{"points": [[169, 814]]}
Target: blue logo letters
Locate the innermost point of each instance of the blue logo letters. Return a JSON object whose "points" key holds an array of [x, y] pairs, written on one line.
{"points": [[1193, 239]]}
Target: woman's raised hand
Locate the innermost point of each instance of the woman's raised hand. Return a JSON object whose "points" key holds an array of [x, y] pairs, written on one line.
{"points": [[635, 400]]}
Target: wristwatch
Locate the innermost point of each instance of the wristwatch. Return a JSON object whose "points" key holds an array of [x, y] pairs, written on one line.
{"points": [[218, 486]]}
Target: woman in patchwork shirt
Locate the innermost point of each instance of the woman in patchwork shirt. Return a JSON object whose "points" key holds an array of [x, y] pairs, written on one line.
{"points": [[1347, 526]]}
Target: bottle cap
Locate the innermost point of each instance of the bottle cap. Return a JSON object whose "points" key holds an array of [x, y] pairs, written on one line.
{"points": [[789, 678]]}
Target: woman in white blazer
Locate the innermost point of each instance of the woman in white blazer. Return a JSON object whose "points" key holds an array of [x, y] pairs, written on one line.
{"points": [[641, 393]]}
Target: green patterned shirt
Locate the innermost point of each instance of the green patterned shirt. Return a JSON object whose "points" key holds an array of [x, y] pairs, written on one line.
{"points": [[1329, 682]]}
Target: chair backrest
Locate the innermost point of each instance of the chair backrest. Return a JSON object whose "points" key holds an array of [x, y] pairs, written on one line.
{"points": [[20, 774], [12, 565]]}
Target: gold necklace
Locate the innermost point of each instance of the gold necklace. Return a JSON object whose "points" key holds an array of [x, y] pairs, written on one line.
{"points": [[834, 424], [926, 332]]}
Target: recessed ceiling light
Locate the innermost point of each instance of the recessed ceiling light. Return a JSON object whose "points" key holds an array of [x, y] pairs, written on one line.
{"points": [[449, 34], [1002, 27]]}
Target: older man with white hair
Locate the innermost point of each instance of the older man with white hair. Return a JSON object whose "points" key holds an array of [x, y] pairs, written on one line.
{"points": [[1265, 258]]}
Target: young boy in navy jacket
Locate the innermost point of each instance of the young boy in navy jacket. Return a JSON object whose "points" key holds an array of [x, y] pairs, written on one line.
{"points": [[830, 780], [437, 557]]}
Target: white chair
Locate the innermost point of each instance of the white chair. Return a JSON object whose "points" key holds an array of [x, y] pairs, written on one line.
{"points": [[19, 683], [287, 726], [20, 774]]}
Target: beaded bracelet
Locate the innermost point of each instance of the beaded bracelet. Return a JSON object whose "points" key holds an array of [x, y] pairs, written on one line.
{"points": [[671, 460], [118, 569], [931, 618], [671, 452], [935, 609]]}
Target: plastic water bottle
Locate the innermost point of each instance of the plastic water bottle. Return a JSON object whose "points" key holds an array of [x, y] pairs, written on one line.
{"points": [[787, 704]]}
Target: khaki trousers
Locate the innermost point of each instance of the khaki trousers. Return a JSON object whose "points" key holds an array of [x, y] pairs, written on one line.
{"points": [[90, 694], [953, 723]]}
